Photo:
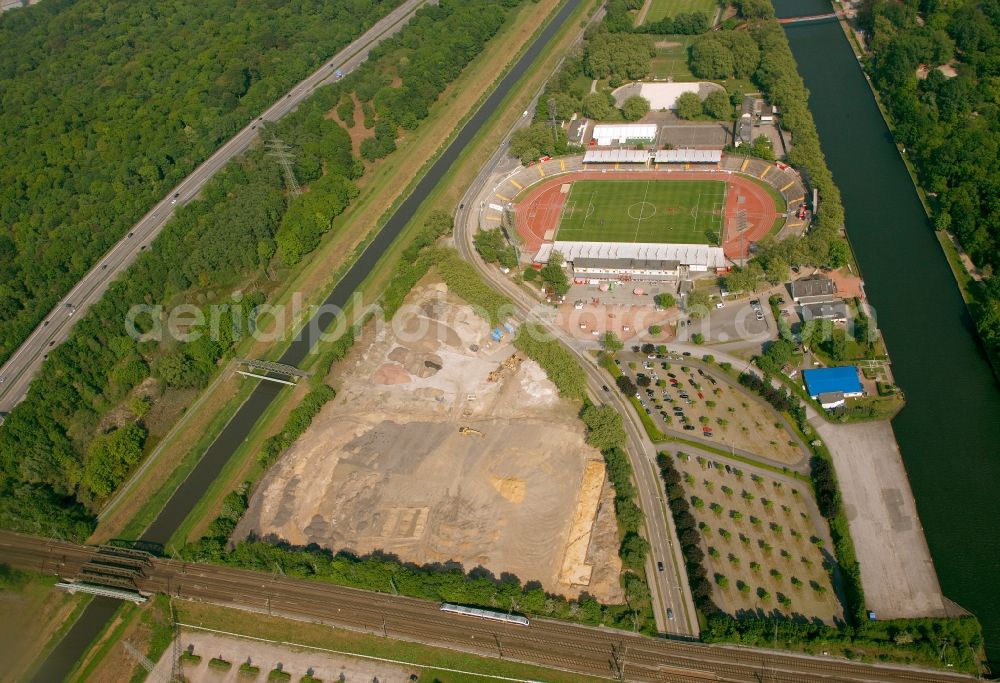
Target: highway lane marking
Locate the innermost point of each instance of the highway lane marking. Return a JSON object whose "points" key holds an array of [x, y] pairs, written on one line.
{"points": [[355, 654]]}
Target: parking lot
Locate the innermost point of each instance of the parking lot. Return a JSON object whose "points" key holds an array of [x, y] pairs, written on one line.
{"points": [[685, 397], [733, 320]]}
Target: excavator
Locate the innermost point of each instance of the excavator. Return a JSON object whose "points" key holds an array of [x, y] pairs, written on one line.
{"points": [[511, 363], [469, 431]]}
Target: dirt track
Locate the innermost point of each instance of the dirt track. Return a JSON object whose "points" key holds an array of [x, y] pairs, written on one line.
{"points": [[384, 466]]}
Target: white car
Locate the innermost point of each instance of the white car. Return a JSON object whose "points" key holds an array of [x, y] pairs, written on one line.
{"points": [[721, 304]]}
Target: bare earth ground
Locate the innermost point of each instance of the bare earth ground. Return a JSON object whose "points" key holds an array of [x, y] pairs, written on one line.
{"points": [[384, 466], [897, 572], [266, 656]]}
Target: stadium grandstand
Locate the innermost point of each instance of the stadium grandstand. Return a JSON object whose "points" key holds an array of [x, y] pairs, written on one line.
{"points": [[688, 156], [604, 260], [616, 156]]}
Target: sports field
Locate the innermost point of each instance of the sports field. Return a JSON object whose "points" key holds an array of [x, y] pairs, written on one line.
{"points": [[676, 211]]}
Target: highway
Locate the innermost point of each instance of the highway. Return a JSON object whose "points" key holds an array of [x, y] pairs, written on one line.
{"points": [[17, 373], [586, 650], [669, 588], [191, 490]]}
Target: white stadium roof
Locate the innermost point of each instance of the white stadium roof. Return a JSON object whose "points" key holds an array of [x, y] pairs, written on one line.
{"points": [[686, 254], [614, 156], [608, 133], [688, 156]]}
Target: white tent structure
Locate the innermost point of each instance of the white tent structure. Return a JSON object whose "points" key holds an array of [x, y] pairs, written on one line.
{"points": [[620, 133]]}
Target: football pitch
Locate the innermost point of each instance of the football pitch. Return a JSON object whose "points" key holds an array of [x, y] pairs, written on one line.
{"points": [[673, 211]]}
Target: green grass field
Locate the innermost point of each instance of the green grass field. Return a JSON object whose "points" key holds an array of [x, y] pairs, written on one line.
{"points": [[670, 8], [675, 211]]}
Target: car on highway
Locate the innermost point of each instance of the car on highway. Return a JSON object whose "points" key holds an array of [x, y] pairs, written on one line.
{"points": [[670, 614], [659, 566], [605, 387]]}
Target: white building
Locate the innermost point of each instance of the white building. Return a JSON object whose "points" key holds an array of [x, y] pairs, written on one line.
{"points": [[601, 259], [663, 95], [621, 133]]}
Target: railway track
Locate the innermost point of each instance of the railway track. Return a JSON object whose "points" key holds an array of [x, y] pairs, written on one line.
{"points": [[570, 647]]}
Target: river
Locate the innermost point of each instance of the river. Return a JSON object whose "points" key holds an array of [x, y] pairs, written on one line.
{"points": [[949, 432], [97, 614]]}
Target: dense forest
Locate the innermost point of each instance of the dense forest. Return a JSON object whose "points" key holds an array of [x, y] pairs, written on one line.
{"points": [[937, 65], [114, 102], [82, 428]]}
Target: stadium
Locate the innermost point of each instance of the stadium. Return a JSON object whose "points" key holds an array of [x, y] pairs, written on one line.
{"points": [[663, 215]]}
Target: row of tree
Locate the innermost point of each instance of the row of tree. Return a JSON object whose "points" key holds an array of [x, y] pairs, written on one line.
{"points": [[242, 233], [687, 535], [936, 65]]}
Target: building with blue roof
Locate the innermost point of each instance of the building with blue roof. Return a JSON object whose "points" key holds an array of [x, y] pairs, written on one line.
{"points": [[830, 386]]}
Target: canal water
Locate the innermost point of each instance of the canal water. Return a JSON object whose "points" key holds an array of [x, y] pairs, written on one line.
{"points": [[99, 612], [949, 432]]}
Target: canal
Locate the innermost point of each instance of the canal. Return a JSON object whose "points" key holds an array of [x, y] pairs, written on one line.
{"points": [[95, 617], [949, 432]]}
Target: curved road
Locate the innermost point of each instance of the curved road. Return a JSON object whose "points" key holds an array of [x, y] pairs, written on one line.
{"points": [[191, 490], [669, 588], [17, 373], [570, 647]]}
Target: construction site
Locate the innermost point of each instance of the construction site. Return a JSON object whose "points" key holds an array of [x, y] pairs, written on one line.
{"points": [[446, 445]]}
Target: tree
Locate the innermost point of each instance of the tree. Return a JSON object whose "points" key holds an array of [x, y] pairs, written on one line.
{"points": [[710, 58], [111, 457], [698, 338], [626, 385], [493, 247], [605, 427], [665, 300], [554, 274], [537, 140], [633, 550], [655, 330], [688, 106], [635, 107], [717, 106], [611, 343], [621, 56], [643, 380], [697, 303], [598, 105]]}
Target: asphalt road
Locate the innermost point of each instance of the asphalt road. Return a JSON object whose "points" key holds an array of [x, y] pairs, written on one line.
{"points": [[570, 647], [191, 490], [669, 588], [17, 373]]}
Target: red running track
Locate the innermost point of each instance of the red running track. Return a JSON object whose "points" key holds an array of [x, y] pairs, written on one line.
{"points": [[539, 211]]}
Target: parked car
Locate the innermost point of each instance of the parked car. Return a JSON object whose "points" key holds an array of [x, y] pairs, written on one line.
{"points": [[689, 428]]}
